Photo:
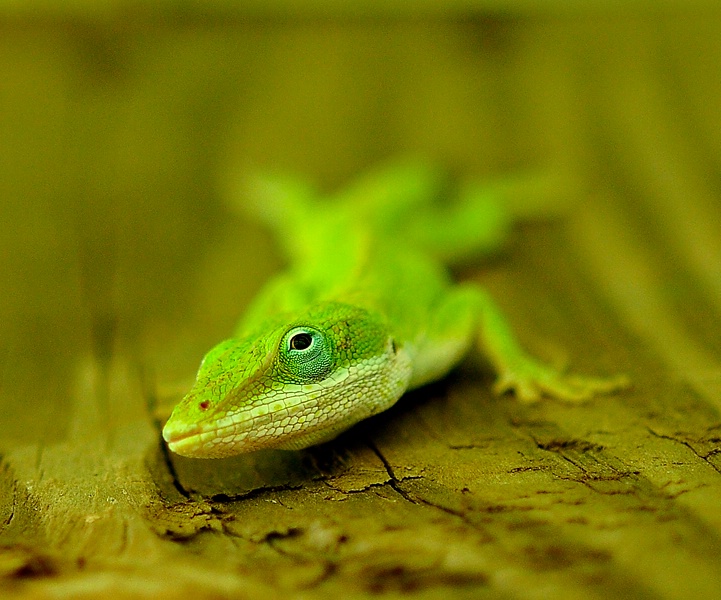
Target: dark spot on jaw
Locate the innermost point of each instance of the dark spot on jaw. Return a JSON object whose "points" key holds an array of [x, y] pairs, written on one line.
{"points": [[204, 405], [393, 346]]}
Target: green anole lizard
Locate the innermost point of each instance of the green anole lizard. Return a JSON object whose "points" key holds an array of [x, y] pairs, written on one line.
{"points": [[364, 312]]}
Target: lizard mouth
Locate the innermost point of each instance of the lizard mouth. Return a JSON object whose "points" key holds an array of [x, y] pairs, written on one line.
{"points": [[191, 443], [181, 438], [195, 441]]}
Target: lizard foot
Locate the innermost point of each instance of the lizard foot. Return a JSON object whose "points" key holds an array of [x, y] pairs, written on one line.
{"points": [[530, 380]]}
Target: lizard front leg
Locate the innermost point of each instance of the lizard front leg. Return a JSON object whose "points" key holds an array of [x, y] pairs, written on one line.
{"points": [[521, 373], [467, 311]]}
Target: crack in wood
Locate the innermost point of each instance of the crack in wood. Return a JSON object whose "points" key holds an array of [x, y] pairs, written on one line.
{"points": [[394, 482], [168, 460], [254, 493], [703, 457]]}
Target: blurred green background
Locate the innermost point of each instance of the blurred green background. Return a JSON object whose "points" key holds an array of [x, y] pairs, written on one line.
{"points": [[122, 125]]}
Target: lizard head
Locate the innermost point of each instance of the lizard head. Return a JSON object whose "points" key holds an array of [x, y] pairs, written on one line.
{"points": [[299, 382]]}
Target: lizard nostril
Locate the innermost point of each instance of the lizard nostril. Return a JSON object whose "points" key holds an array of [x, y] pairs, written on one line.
{"points": [[204, 405]]}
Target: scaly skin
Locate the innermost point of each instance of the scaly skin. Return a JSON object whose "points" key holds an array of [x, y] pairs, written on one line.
{"points": [[364, 312]]}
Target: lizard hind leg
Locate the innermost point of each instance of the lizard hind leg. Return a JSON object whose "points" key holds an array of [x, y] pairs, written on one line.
{"points": [[474, 222], [474, 218]]}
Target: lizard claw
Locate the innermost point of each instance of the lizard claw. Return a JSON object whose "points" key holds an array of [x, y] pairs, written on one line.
{"points": [[531, 380]]}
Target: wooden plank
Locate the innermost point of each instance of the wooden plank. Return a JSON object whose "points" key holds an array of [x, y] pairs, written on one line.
{"points": [[112, 294]]}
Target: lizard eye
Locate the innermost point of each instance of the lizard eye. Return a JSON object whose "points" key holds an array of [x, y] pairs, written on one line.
{"points": [[300, 341], [306, 354]]}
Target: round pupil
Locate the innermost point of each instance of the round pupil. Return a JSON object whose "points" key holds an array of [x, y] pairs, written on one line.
{"points": [[300, 341]]}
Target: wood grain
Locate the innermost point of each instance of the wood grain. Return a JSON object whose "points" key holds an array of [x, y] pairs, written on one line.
{"points": [[122, 263]]}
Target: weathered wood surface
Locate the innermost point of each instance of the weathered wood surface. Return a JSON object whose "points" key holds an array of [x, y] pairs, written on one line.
{"points": [[120, 266]]}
